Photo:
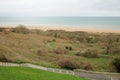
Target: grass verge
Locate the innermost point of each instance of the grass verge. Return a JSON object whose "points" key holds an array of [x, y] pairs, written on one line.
{"points": [[23, 73]]}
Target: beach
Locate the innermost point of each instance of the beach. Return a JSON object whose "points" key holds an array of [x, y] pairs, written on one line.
{"points": [[44, 28], [88, 24]]}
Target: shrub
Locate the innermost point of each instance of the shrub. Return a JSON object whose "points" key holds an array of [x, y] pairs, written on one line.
{"points": [[90, 39], [21, 29], [115, 51], [116, 64], [60, 51], [3, 52], [89, 53], [80, 53], [69, 64], [37, 31], [54, 40], [88, 66], [40, 52], [68, 47], [3, 58]]}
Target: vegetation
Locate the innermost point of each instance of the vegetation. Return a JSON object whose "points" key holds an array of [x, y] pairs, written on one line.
{"points": [[116, 64], [60, 49], [20, 73], [88, 66], [69, 64], [21, 29], [88, 53]]}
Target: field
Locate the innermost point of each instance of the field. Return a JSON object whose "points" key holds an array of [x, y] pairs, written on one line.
{"points": [[55, 48], [20, 73]]}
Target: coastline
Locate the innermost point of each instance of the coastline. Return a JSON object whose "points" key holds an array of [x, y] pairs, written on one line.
{"points": [[45, 27]]}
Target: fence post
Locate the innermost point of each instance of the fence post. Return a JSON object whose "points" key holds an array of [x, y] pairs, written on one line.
{"points": [[53, 70], [73, 73], [111, 78], [60, 71]]}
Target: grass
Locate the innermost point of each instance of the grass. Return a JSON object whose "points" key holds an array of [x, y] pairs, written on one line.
{"points": [[51, 44], [99, 64], [22, 73]]}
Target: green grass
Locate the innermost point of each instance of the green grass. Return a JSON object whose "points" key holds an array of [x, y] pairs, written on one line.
{"points": [[99, 64], [23, 73], [51, 44]]}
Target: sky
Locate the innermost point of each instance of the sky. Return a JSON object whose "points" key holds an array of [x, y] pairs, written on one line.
{"points": [[59, 7]]}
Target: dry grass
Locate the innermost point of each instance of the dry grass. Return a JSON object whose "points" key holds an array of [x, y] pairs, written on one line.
{"points": [[33, 48]]}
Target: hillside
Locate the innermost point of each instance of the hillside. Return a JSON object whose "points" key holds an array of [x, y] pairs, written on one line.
{"points": [[60, 49]]}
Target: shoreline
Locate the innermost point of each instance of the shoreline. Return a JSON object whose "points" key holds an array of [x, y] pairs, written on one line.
{"points": [[45, 27]]}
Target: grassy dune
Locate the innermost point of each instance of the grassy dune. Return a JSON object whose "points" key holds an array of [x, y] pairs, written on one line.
{"points": [[49, 48]]}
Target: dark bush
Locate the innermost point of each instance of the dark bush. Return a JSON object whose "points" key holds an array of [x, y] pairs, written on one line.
{"points": [[68, 47], [116, 64], [88, 66], [40, 52], [69, 64], [3, 52], [116, 51], [21, 29], [54, 40], [60, 51], [88, 53], [3, 58]]}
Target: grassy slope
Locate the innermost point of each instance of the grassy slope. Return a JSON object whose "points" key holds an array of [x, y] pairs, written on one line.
{"points": [[20, 73], [24, 47]]}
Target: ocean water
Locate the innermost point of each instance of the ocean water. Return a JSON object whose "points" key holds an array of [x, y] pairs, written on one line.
{"points": [[86, 22]]}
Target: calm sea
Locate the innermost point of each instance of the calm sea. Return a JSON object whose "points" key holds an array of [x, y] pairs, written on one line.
{"points": [[86, 22]]}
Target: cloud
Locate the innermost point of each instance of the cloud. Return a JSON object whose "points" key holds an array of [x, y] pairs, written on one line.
{"points": [[60, 7], [108, 5]]}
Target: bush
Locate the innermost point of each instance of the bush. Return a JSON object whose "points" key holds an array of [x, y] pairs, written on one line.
{"points": [[69, 64], [80, 53], [54, 40], [89, 53], [116, 64], [88, 66], [3, 58], [37, 31], [60, 51], [41, 52], [90, 39], [115, 51], [68, 47], [3, 52], [21, 29]]}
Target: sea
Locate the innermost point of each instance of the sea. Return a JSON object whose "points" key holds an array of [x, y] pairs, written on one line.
{"points": [[112, 23]]}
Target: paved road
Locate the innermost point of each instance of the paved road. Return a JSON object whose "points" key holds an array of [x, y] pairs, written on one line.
{"points": [[98, 75]]}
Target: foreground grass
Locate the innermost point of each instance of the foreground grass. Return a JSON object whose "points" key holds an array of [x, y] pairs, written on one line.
{"points": [[22, 73]]}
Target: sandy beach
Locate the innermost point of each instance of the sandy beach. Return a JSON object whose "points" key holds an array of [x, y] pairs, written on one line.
{"points": [[44, 28]]}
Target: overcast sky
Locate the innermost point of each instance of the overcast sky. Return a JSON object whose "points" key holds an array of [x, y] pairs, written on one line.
{"points": [[59, 7]]}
